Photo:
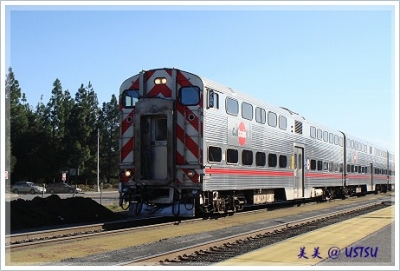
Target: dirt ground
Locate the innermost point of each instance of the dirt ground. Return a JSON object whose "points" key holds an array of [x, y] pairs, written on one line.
{"points": [[53, 211]]}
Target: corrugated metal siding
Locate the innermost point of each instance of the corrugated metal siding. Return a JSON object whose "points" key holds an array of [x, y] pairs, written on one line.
{"points": [[215, 127]]}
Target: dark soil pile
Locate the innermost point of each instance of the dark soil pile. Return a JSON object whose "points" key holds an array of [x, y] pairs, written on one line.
{"points": [[53, 211]]}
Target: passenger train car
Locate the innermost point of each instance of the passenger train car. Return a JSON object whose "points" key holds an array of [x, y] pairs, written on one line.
{"points": [[190, 145]]}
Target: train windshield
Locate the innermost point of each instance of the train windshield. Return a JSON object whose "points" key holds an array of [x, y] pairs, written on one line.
{"points": [[189, 95], [129, 98]]}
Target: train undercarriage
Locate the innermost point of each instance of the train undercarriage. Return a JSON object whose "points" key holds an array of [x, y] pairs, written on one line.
{"points": [[143, 201]]}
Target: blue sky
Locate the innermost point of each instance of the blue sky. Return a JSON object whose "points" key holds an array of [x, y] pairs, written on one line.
{"points": [[334, 64]]}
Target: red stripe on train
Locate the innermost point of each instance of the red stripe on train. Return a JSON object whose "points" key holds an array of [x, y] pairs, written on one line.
{"points": [[182, 80], [126, 149], [160, 89], [190, 144], [127, 122], [179, 159], [194, 122], [247, 172], [323, 175], [135, 85]]}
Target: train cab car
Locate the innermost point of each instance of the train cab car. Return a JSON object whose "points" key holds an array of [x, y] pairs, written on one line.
{"points": [[190, 145]]}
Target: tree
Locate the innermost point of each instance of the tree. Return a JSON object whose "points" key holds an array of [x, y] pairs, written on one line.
{"points": [[59, 108], [109, 147], [83, 124], [60, 134], [17, 122]]}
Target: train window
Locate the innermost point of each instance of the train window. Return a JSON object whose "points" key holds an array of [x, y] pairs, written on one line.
{"points": [[300, 162], [214, 154], [325, 136], [341, 167], [189, 95], [260, 115], [232, 106], [312, 132], [282, 161], [370, 150], [355, 169], [352, 168], [341, 141], [247, 111], [213, 99], [362, 170], [247, 157], [336, 167], [282, 122], [129, 98], [260, 159], [326, 166], [313, 164], [336, 140], [272, 160], [319, 165], [160, 127], [232, 156], [330, 138], [348, 168], [331, 166], [271, 119], [319, 134]]}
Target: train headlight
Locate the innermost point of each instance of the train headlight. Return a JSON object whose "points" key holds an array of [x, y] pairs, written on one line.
{"points": [[160, 81], [128, 173], [190, 173]]}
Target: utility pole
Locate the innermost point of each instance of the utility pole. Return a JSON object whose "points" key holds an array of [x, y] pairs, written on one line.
{"points": [[98, 159]]}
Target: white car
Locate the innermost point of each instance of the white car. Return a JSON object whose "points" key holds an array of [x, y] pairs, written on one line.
{"points": [[27, 187]]}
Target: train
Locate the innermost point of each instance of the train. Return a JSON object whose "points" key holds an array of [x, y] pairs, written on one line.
{"points": [[191, 146]]}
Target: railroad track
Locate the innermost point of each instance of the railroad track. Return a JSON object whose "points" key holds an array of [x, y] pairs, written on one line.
{"points": [[31, 239], [224, 248], [34, 238]]}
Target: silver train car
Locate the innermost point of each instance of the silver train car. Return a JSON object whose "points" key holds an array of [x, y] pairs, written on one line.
{"points": [[190, 145]]}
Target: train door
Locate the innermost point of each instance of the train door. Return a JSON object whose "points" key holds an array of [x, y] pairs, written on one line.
{"points": [[154, 148], [371, 175], [298, 172], [154, 135]]}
